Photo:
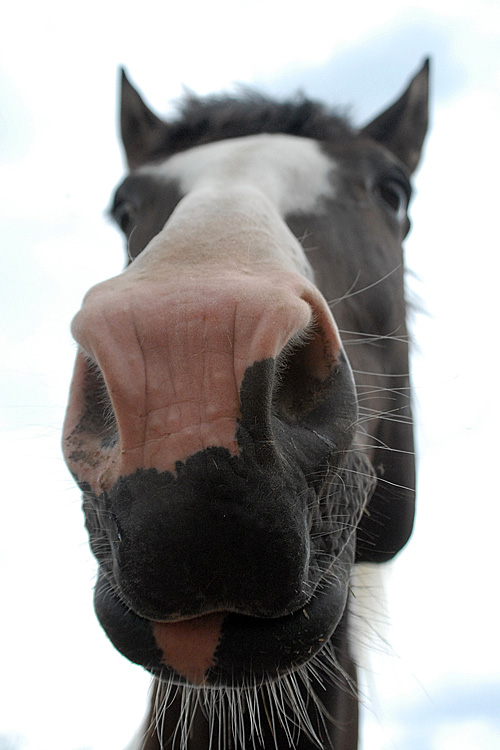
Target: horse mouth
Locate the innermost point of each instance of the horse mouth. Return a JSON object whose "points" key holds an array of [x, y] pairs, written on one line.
{"points": [[225, 647], [176, 623]]}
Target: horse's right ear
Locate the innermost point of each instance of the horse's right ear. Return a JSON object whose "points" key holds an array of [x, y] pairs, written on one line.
{"points": [[142, 131]]}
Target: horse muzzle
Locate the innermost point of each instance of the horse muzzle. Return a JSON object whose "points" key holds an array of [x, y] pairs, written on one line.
{"points": [[206, 427]]}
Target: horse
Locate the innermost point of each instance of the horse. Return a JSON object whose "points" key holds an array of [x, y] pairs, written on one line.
{"points": [[239, 418]]}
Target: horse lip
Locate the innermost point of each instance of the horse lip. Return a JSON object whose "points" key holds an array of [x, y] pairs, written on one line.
{"points": [[116, 591], [223, 634], [174, 620], [249, 611], [177, 618]]}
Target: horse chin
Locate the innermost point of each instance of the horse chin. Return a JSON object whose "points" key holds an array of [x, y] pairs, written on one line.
{"points": [[226, 648]]}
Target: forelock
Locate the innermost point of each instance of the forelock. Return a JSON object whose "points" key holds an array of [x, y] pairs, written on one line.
{"points": [[206, 119]]}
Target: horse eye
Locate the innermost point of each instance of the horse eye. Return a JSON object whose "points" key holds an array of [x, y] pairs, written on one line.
{"points": [[123, 214], [395, 195]]}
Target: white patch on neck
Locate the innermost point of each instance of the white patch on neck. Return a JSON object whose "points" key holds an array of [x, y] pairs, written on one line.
{"points": [[368, 612], [291, 171]]}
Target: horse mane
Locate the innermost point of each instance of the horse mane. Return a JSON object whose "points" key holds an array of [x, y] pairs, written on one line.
{"points": [[218, 117]]}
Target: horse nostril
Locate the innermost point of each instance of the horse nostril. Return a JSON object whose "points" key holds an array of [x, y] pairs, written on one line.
{"points": [[100, 417], [91, 432], [303, 374]]}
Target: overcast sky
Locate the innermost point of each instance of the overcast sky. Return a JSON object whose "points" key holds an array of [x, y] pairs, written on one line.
{"points": [[436, 667]]}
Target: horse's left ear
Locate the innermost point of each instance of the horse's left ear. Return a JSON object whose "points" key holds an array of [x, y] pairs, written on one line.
{"points": [[142, 131], [403, 126]]}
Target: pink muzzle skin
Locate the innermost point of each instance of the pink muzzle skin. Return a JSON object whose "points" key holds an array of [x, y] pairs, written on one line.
{"points": [[170, 356]]}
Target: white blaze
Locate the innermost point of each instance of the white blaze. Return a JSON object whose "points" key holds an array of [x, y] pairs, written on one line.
{"points": [[292, 172], [237, 194]]}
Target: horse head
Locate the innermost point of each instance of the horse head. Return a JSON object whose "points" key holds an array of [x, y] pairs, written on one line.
{"points": [[239, 418]]}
